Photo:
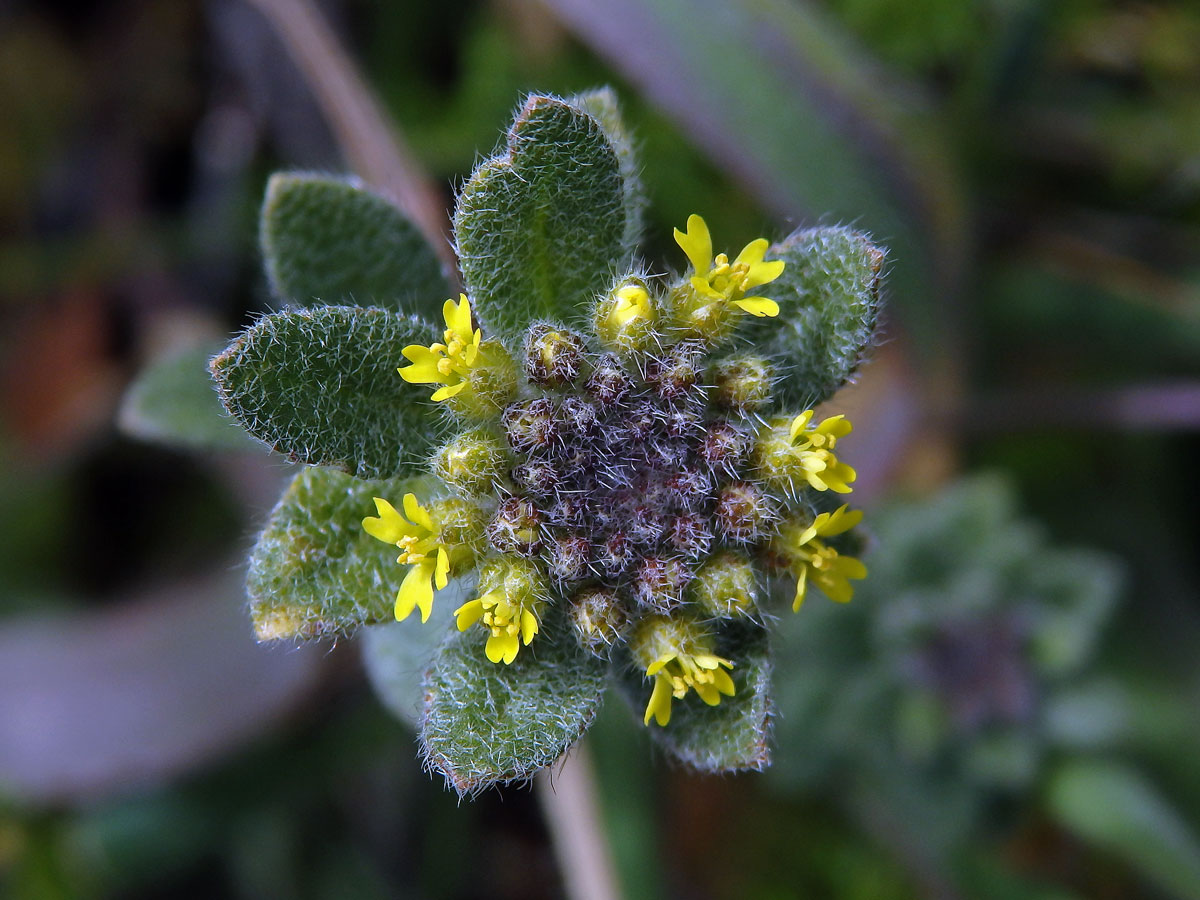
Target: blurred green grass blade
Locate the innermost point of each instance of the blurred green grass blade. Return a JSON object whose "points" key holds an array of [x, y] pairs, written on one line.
{"points": [[1114, 806], [173, 401], [782, 99]]}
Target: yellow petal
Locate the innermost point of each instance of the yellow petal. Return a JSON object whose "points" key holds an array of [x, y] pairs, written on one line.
{"points": [[416, 513], [458, 318], [838, 426], [447, 392], [709, 694], [763, 273], [701, 286], [851, 567], [753, 253], [502, 647], [389, 527], [801, 422], [724, 683], [836, 587], [529, 626], [441, 573], [660, 702], [469, 613], [801, 589], [657, 665], [696, 243], [415, 592], [758, 306], [841, 521], [424, 368]]}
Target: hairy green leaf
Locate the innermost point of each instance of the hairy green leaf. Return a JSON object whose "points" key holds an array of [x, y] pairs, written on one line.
{"points": [[541, 228], [828, 297], [732, 736], [321, 386], [602, 105], [173, 401], [313, 571], [1114, 806], [486, 723], [331, 241]]}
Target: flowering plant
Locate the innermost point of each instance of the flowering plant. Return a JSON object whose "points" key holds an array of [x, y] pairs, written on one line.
{"points": [[615, 473]]}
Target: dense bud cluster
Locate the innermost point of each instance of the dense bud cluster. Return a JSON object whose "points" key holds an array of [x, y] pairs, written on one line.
{"points": [[634, 475]]}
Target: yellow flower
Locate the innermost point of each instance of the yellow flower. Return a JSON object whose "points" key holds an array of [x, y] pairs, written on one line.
{"points": [[448, 364], [679, 659], [420, 548], [510, 623], [815, 561], [509, 607], [813, 449], [625, 317], [721, 282]]}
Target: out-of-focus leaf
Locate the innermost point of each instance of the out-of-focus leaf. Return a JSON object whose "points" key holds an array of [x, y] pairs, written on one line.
{"points": [[321, 386], [1116, 807], [331, 241], [174, 400]]}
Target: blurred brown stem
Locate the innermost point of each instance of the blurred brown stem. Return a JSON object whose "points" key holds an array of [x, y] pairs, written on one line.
{"points": [[569, 803], [370, 143]]}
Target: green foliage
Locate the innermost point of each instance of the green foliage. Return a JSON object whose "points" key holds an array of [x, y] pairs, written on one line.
{"points": [[173, 401], [828, 296], [541, 226], [1116, 807], [732, 736], [331, 241], [602, 105], [320, 385], [485, 723], [313, 571]]}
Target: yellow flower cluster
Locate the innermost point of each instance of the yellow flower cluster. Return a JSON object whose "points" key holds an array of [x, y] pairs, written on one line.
{"points": [[450, 363], [680, 658], [815, 561], [718, 283], [420, 548], [509, 623]]}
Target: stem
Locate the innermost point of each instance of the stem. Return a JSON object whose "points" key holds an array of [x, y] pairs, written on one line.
{"points": [[568, 801], [372, 146]]}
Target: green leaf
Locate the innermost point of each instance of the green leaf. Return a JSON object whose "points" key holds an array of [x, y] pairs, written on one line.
{"points": [[330, 241], [173, 401], [397, 654], [1115, 807], [828, 296], [733, 735], [314, 572], [321, 386], [602, 105], [486, 723], [541, 227]]}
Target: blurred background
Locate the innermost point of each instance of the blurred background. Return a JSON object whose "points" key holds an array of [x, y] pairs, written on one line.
{"points": [[1008, 709]]}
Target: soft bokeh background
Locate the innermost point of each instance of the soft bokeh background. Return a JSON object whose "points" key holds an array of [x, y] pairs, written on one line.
{"points": [[999, 714]]}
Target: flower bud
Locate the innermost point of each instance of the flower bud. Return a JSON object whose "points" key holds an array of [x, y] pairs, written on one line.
{"points": [[474, 462], [658, 584], [609, 383], [530, 424], [491, 383], [522, 581], [599, 619], [515, 528], [725, 587], [741, 384], [553, 356], [626, 318], [744, 513], [568, 558]]}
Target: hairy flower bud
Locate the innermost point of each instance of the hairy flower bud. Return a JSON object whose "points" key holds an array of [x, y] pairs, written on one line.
{"points": [[658, 584], [599, 619], [609, 383], [530, 424], [626, 318], [473, 462], [741, 384], [744, 513], [724, 587], [515, 528], [554, 357]]}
